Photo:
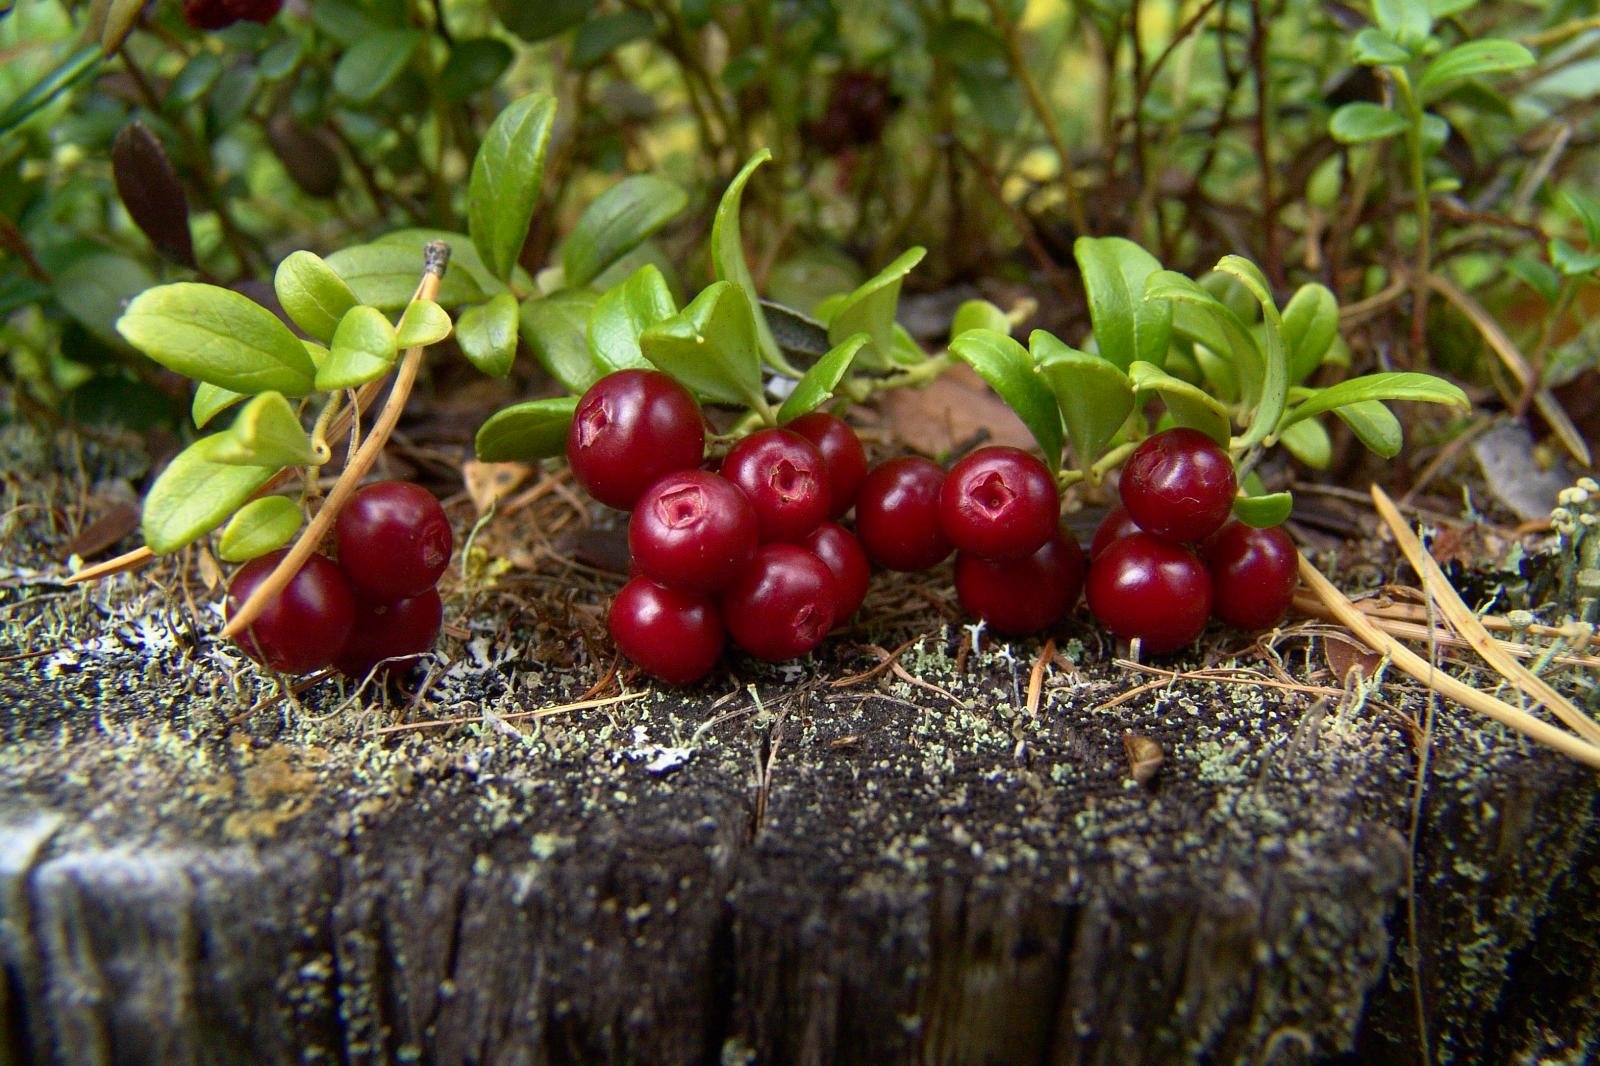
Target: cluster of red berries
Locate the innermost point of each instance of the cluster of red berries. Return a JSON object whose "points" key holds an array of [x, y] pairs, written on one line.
{"points": [[220, 14], [378, 604], [1171, 557]]}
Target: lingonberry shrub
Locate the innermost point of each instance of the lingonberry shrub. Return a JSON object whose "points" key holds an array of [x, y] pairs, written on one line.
{"points": [[394, 540], [782, 604], [1018, 596], [305, 626], [897, 514], [1146, 587], [693, 530], [786, 480], [629, 429], [1253, 574], [672, 635], [999, 503]]}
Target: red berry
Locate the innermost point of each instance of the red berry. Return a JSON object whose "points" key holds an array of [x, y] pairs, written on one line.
{"points": [[1179, 485], [786, 480], [841, 452], [1114, 526], [1143, 586], [673, 636], [782, 604], [1000, 503], [844, 557], [388, 631], [1022, 595], [1253, 574], [897, 514], [631, 428], [394, 540], [692, 530], [304, 626], [262, 11], [208, 14]]}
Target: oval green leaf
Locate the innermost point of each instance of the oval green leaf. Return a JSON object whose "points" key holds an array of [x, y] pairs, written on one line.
{"points": [[1360, 122], [1187, 404], [871, 309], [214, 334], [980, 314], [367, 68], [527, 431], [363, 349], [1008, 369], [385, 273], [1310, 324], [423, 323], [603, 34], [1093, 394], [259, 527], [487, 334], [624, 312], [266, 432], [710, 347], [1374, 425], [504, 186], [1263, 512], [1126, 325], [1268, 405], [474, 64], [619, 220], [195, 494], [313, 295], [211, 400], [1308, 442], [1206, 320], [1397, 385], [1472, 59], [728, 262], [556, 329], [816, 387]]}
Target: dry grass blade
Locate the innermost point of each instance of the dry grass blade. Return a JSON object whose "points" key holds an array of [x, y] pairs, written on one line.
{"points": [[126, 561], [542, 712], [1464, 622]]}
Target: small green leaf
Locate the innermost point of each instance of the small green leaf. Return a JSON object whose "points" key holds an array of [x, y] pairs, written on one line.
{"points": [[259, 527], [556, 328], [1470, 60], [1400, 385], [1217, 372], [195, 494], [1360, 122], [871, 308], [1407, 21], [1587, 208], [1126, 325], [1206, 320], [1263, 512], [214, 334], [728, 262], [74, 66], [266, 432], [603, 34], [710, 347], [1008, 369], [626, 311], [367, 68], [1537, 275], [1308, 442], [504, 185], [426, 323], [1093, 394], [211, 400], [474, 65], [527, 431], [620, 219], [364, 349], [1266, 407], [1310, 324], [1373, 48], [1571, 262], [95, 289], [1188, 405], [385, 273], [487, 334], [1374, 426], [312, 294], [979, 314], [814, 389], [197, 78], [542, 20]]}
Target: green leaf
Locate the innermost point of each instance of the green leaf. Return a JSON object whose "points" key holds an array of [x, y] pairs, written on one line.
{"points": [[556, 329], [710, 347], [1216, 326], [626, 311], [425, 323], [1263, 512], [364, 349], [1217, 372], [603, 34], [1008, 369], [312, 294], [487, 334], [1374, 426], [367, 68], [1407, 21], [1308, 442], [385, 273], [527, 431], [1571, 262], [1187, 404], [259, 527], [1537, 275], [1265, 407], [211, 400], [267, 433], [979, 314], [542, 19], [1587, 208], [1310, 324], [621, 218], [1093, 394], [815, 388], [504, 186], [1400, 385], [214, 334], [195, 80], [1470, 60], [94, 289], [195, 494], [1126, 325], [795, 332], [871, 308], [728, 262], [1360, 122], [1373, 47], [74, 66], [474, 65]]}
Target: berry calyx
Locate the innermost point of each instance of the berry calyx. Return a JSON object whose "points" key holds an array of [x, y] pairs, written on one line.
{"points": [[842, 453], [1117, 523], [673, 636], [1017, 596], [631, 428], [1000, 503], [692, 530], [897, 514], [1179, 485], [1143, 586], [390, 633], [306, 625], [782, 604], [1253, 574], [394, 540], [844, 557], [786, 481]]}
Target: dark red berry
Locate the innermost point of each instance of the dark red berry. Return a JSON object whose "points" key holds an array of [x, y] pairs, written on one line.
{"points": [[631, 428], [1114, 526], [1253, 574], [1143, 586], [786, 480], [262, 11], [692, 530], [1022, 595], [897, 514], [844, 557], [391, 633], [1179, 485], [394, 540], [782, 604], [306, 625], [671, 635], [208, 14], [842, 453], [1000, 503]]}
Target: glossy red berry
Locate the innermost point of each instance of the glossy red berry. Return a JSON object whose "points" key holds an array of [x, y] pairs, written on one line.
{"points": [[842, 453], [306, 625], [1253, 574], [671, 635], [631, 428], [391, 633], [262, 11], [1179, 485], [786, 480], [1000, 503], [208, 14], [844, 557], [692, 530], [1019, 596], [1143, 586], [897, 514], [394, 540], [782, 604], [1114, 526]]}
